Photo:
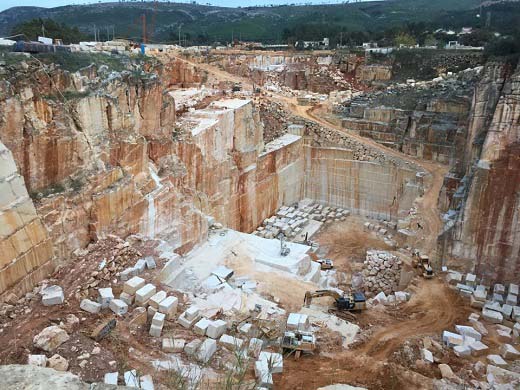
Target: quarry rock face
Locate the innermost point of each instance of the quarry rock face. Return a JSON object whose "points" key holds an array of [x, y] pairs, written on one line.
{"points": [[113, 161], [25, 246], [83, 157], [374, 72], [181, 74], [486, 229], [103, 154], [427, 119], [316, 73]]}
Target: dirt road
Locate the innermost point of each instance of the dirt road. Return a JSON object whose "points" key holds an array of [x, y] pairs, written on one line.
{"points": [[373, 364], [433, 308]]}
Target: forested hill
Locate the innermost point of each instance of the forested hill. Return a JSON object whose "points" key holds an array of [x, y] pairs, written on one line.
{"points": [[205, 24]]}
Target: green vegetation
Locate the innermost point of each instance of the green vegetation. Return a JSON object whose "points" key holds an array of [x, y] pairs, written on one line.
{"points": [[53, 189], [404, 39], [76, 61], [349, 23], [507, 48], [33, 28]]}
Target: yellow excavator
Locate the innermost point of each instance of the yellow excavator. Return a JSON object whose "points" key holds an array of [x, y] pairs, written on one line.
{"points": [[344, 305]]}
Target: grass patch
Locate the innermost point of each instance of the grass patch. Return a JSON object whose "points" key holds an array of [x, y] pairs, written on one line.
{"points": [[10, 58], [53, 189], [76, 61]]}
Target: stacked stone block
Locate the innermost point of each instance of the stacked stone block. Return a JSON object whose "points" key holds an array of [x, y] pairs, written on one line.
{"points": [[291, 220], [382, 271]]}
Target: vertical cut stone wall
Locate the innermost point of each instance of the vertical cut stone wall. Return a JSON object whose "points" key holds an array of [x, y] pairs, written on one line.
{"points": [[365, 187], [25, 247]]}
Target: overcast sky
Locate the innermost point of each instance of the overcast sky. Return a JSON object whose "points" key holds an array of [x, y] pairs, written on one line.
{"points": [[4, 4]]}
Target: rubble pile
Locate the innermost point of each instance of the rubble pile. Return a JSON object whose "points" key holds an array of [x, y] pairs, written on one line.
{"points": [[116, 258], [442, 87], [499, 305], [290, 220], [471, 341], [382, 271], [274, 119]]}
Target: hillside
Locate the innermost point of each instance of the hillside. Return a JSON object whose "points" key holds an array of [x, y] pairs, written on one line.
{"points": [[203, 24]]}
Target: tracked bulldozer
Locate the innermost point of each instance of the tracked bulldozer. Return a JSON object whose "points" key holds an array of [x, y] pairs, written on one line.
{"points": [[344, 305]]}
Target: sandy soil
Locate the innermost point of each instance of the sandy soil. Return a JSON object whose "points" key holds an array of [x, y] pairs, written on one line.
{"points": [[346, 243], [433, 308]]}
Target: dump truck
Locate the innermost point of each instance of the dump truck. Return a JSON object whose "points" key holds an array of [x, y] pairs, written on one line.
{"points": [[344, 305]]}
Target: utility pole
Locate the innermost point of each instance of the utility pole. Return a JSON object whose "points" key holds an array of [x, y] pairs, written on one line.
{"points": [[180, 25], [341, 39], [143, 19], [95, 33]]}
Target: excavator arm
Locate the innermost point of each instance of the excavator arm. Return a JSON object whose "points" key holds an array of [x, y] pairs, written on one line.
{"points": [[320, 293]]}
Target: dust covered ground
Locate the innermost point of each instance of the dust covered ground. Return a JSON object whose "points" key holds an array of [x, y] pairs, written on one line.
{"points": [[386, 354], [376, 360]]}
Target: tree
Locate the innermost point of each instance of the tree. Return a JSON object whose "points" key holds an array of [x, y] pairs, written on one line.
{"points": [[476, 38], [503, 47], [404, 39], [34, 28], [429, 40]]}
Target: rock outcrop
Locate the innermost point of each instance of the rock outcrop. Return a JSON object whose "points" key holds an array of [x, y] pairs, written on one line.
{"points": [[30, 377], [103, 153], [25, 246], [316, 73], [485, 231]]}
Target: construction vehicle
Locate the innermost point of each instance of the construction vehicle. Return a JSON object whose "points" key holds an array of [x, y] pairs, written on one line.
{"points": [[298, 342], [427, 271], [344, 304], [324, 263], [237, 87], [422, 262]]}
